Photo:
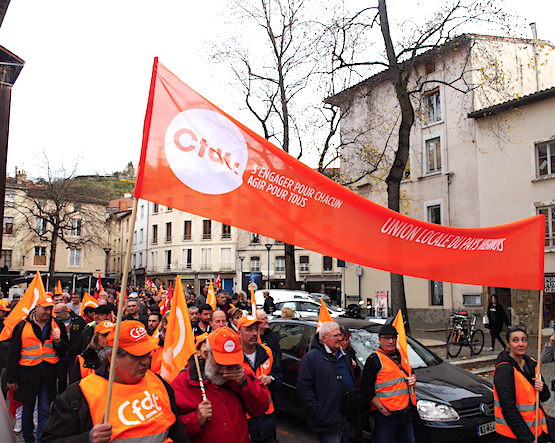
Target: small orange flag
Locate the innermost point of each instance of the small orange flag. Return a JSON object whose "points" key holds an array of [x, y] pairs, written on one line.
{"points": [[399, 324], [58, 290], [23, 307], [211, 296], [324, 314], [88, 300], [179, 344], [253, 302]]}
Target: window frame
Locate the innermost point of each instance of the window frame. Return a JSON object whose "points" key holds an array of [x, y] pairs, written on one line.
{"points": [[75, 255], [168, 232], [324, 269], [8, 228], [226, 232], [432, 204], [278, 261], [550, 155], [154, 240], [549, 207], [304, 268], [76, 227], [254, 259], [439, 168], [437, 104], [207, 229], [187, 226], [432, 293]]}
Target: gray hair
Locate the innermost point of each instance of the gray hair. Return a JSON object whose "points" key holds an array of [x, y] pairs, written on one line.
{"points": [[193, 309], [105, 355], [327, 328]]}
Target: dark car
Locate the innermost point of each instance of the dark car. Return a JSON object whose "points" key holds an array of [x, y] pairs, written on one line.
{"points": [[453, 405]]}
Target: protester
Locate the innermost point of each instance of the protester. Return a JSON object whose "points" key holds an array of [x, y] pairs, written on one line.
{"points": [[222, 416], [154, 320], [132, 307], [346, 346], [548, 352], [269, 306], [222, 300], [75, 304], [497, 317], [318, 386], [267, 336], [74, 327], [217, 320], [203, 324], [233, 316], [388, 384], [202, 297], [514, 391], [242, 301], [101, 313], [260, 360], [89, 361], [88, 314], [287, 313], [4, 348], [156, 354], [32, 364], [58, 298], [193, 315], [142, 404]]}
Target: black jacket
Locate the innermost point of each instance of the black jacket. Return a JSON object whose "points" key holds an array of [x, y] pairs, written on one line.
{"points": [[504, 382], [71, 421], [142, 318], [269, 306], [91, 361], [76, 327], [85, 337], [497, 317], [29, 377]]}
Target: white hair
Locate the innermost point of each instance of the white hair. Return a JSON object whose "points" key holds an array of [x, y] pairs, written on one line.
{"points": [[327, 328]]}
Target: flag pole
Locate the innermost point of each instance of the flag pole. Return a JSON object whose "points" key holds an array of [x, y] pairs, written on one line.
{"points": [[121, 300], [200, 380], [540, 323]]}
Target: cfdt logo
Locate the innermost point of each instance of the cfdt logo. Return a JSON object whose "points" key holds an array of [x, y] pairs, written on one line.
{"points": [[206, 151]]}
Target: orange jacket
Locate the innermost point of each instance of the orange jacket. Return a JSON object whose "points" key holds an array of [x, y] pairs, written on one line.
{"points": [[392, 387], [33, 351], [263, 369]]}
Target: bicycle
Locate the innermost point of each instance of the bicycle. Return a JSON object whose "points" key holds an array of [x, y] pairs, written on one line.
{"points": [[464, 333]]}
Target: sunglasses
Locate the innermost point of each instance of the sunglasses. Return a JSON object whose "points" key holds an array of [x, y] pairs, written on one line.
{"points": [[517, 328]]}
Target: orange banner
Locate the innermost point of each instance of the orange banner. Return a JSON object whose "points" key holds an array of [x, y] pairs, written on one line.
{"points": [[198, 159]]}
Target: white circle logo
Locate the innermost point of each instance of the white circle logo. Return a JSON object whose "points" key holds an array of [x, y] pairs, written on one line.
{"points": [[229, 346], [206, 151], [137, 332]]}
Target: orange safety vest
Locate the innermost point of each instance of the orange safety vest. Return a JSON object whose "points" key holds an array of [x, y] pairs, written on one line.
{"points": [[138, 413], [525, 403], [84, 371], [33, 351], [263, 369], [156, 359], [392, 388]]}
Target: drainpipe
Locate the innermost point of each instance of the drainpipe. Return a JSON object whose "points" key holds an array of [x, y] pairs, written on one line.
{"points": [[538, 72]]}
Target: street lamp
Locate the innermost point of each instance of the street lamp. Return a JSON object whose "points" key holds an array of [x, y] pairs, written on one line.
{"points": [[268, 247], [241, 258], [107, 251]]}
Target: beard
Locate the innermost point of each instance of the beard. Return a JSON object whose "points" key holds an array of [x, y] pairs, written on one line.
{"points": [[213, 371]]}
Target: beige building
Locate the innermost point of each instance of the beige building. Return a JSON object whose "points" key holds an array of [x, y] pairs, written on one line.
{"points": [[463, 171]]}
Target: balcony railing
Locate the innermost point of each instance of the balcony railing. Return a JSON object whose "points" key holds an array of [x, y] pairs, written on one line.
{"points": [[187, 237], [205, 266], [168, 239], [225, 266], [154, 241], [186, 266]]}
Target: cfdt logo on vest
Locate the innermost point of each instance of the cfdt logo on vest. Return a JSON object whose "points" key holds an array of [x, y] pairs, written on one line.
{"points": [[206, 151], [139, 409]]}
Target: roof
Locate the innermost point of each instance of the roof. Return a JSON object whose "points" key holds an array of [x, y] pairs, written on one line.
{"points": [[513, 104]]}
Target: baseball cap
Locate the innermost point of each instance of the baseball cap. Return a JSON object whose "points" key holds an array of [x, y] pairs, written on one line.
{"points": [[105, 309], [104, 327], [226, 347], [4, 305], [133, 338], [247, 321], [387, 330], [45, 301], [200, 338]]}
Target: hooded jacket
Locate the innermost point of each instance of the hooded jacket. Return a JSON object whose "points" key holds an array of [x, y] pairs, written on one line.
{"points": [[505, 386]]}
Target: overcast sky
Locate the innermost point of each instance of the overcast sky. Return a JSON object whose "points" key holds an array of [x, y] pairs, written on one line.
{"points": [[83, 91]]}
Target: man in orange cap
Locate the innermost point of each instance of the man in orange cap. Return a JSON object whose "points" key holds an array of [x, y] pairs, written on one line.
{"points": [[221, 417], [142, 404], [32, 366]]}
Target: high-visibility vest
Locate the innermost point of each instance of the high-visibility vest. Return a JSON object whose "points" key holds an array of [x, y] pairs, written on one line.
{"points": [[392, 388], [84, 371], [140, 412], [33, 351], [264, 369], [525, 403]]}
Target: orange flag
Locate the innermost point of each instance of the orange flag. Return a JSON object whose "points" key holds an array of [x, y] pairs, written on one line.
{"points": [[253, 302], [23, 307], [399, 324], [58, 290], [88, 300], [180, 342], [324, 314], [211, 297]]}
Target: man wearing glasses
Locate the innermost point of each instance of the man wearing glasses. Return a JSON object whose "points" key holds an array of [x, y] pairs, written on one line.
{"points": [[388, 384], [325, 374]]}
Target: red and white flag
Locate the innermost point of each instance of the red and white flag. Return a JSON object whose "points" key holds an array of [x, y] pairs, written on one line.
{"points": [[218, 282]]}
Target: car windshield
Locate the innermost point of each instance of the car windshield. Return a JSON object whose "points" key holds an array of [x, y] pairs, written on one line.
{"points": [[328, 304], [365, 343]]}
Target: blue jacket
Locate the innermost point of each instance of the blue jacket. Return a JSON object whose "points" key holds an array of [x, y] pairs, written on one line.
{"points": [[320, 392]]}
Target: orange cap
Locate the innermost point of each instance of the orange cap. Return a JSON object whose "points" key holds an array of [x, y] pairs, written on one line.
{"points": [[200, 338], [226, 347], [104, 327], [45, 301], [247, 321], [133, 338], [4, 306]]}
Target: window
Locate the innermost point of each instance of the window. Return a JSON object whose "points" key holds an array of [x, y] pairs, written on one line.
{"points": [[328, 264], [8, 224], [142, 211], [436, 288], [280, 264], [168, 209], [141, 235], [290, 339], [140, 259], [135, 237], [168, 260], [255, 239], [168, 232], [40, 256], [546, 159], [9, 198], [225, 259], [154, 260], [434, 214], [205, 258], [134, 261], [187, 230], [7, 257], [255, 264], [76, 228], [433, 155], [304, 261], [432, 103], [155, 208], [75, 257], [187, 258], [40, 225], [226, 231], [206, 229], [154, 234], [549, 212]]}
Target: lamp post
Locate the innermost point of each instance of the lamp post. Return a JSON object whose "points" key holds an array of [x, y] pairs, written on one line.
{"points": [[107, 251], [268, 247], [241, 257]]}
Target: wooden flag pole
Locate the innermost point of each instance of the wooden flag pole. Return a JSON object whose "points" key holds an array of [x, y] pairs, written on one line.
{"points": [[540, 323], [121, 301], [200, 380]]}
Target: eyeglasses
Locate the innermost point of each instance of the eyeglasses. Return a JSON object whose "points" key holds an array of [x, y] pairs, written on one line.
{"points": [[335, 336], [517, 328]]}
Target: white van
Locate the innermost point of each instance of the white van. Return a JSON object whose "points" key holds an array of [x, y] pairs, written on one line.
{"points": [[279, 295]]}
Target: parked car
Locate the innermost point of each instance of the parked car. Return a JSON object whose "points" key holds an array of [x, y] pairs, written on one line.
{"points": [[453, 405], [279, 295], [305, 308]]}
